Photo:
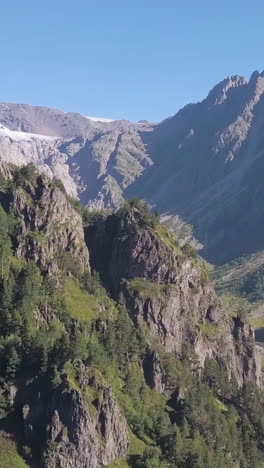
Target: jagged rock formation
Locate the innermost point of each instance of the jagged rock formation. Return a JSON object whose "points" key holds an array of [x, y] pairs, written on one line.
{"points": [[49, 226], [82, 421], [171, 293]]}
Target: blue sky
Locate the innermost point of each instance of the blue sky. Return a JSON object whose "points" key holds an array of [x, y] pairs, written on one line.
{"points": [[125, 59]]}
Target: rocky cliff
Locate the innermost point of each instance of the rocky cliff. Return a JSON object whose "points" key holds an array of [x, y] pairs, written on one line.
{"points": [[74, 420], [169, 291], [80, 421], [48, 227]]}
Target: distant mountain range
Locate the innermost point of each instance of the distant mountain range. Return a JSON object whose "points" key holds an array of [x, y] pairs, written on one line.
{"points": [[202, 168]]}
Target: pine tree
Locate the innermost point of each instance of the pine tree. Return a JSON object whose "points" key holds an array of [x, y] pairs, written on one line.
{"points": [[12, 362]]}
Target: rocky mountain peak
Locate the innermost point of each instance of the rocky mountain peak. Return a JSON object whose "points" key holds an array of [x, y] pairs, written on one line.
{"points": [[256, 83], [220, 92], [255, 75]]}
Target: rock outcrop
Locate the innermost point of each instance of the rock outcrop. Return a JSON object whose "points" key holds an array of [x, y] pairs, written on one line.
{"points": [[80, 421], [171, 293], [49, 227], [155, 375]]}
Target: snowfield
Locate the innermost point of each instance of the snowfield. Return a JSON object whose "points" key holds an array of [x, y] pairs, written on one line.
{"points": [[22, 136]]}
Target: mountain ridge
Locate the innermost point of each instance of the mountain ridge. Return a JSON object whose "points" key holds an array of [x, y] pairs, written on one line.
{"points": [[196, 168]]}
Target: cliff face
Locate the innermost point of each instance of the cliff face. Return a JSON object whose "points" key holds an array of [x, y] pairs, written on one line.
{"points": [[49, 227], [171, 293], [178, 316], [81, 422]]}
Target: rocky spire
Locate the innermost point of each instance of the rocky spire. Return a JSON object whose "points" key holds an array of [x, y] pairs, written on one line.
{"points": [[219, 93]]}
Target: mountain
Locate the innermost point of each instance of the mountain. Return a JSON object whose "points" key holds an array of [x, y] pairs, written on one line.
{"points": [[114, 348], [207, 165], [95, 159], [200, 168]]}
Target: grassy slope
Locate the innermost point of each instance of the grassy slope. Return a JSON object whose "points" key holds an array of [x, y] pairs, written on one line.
{"points": [[136, 447], [9, 458], [81, 305], [168, 238], [231, 276]]}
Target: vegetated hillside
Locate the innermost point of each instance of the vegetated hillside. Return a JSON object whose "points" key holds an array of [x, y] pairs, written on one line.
{"points": [[200, 168], [242, 277], [149, 371]]}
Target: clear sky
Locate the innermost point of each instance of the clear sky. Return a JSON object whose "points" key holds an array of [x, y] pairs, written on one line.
{"points": [[133, 59]]}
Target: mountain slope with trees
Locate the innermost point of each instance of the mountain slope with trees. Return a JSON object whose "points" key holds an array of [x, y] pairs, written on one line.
{"points": [[90, 374]]}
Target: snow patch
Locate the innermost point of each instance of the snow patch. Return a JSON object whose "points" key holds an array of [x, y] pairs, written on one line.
{"points": [[99, 119], [22, 136]]}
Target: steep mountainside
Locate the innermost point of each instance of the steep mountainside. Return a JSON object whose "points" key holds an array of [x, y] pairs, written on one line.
{"points": [[151, 370], [158, 284], [200, 168], [243, 276], [207, 166]]}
